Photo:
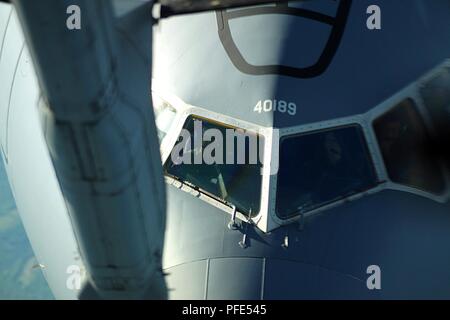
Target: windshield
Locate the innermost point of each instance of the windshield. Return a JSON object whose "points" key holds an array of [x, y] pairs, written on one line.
{"points": [[436, 96], [321, 167], [404, 143], [235, 174]]}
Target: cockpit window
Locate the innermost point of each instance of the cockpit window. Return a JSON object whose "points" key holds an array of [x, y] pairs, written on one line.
{"points": [[234, 176], [404, 142], [436, 97], [322, 167]]}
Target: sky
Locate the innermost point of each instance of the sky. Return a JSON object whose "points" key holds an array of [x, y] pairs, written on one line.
{"points": [[19, 276]]}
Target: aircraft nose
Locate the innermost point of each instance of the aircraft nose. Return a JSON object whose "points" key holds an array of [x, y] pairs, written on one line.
{"points": [[259, 278]]}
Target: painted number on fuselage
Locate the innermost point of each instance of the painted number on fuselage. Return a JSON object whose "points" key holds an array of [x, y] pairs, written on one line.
{"points": [[276, 106]]}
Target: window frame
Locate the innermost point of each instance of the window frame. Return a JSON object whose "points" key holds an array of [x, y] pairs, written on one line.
{"points": [[412, 92], [367, 151], [206, 192], [267, 219], [184, 111], [356, 120], [415, 107]]}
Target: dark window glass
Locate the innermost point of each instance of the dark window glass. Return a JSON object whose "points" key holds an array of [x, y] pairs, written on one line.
{"points": [[230, 181], [436, 96], [404, 143], [321, 167]]}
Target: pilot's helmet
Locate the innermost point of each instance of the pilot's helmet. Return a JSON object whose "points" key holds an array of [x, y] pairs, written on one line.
{"points": [[333, 148]]}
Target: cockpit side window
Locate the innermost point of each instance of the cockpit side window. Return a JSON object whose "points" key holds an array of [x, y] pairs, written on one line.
{"points": [[436, 97], [234, 176], [404, 142], [322, 167]]}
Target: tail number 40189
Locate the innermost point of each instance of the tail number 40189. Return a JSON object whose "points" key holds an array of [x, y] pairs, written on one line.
{"points": [[276, 106]]}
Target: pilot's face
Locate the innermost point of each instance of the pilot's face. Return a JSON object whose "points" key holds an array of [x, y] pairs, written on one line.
{"points": [[333, 149]]}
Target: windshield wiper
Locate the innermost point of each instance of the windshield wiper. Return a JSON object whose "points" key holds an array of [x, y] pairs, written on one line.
{"points": [[202, 191], [310, 206]]}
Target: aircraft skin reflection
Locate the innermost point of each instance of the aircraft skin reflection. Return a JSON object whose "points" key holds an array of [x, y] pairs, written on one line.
{"points": [[403, 232], [308, 75]]}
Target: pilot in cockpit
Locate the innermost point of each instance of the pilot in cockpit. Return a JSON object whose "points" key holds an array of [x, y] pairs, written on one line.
{"points": [[336, 176]]}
